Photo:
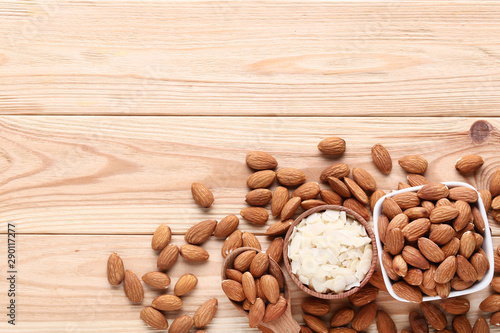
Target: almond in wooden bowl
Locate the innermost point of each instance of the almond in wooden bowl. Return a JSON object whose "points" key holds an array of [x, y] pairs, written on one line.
{"points": [[330, 252], [448, 243]]}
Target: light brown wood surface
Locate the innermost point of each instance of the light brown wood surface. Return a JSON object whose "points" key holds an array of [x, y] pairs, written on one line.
{"points": [[110, 110]]}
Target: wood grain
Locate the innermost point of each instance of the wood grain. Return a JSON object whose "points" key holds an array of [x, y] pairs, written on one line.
{"points": [[63, 287], [300, 58], [126, 175]]}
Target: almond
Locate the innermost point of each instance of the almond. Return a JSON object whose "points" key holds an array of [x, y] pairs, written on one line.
{"points": [[233, 290], [465, 270], [387, 263], [463, 193], [364, 317], [156, 280], [410, 293], [339, 187], [332, 146], [417, 213], [311, 203], [115, 269], [495, 284], [231, 243], [364, 179], [259, 265], [154, 318], [256, 313], [434, 316], [358, 207], [167, 303], [413, 257], [168, 256], [464, 215], [255, 215], [270, 287], [243, 260], [430, 250], [226, 226], [486, 198], [234, 274], [495, 183], [342, 317], [279, 199], [402, 186], [261, 179], [481, 326], [443, 214], [495, 319], [181, 324], [133, 287], [185, 284], [384, 323], [461, 324], [399, 221], [441, 234], [193, 253], [363, 296], [390, 208], [307, 191], [249, 289], [469, 164], [495, 203], [316, 307], [433, 191], [375, 197], [467, 244], [258, 197], [416, 229], [290, 208], [456, 306], [382, 225], [490, 304], [290, 176], [315, 323], [274, 311], [200, 232], [330, 197], [161, 237], [337, 170], [416, 180], [406, 200], [259, 160], [205, 313], [418, 323], [428, 277], [356, 190], [429, 205], [446, 270], [260, 293], [382, 159], [250, 240], [395, 241], [275, 249], [413, 164], [459, 284], [202, 195], [414, 277], [451, 248], [444, 202], [377, 280], [480, 264], [399, 265], [279, 228]]}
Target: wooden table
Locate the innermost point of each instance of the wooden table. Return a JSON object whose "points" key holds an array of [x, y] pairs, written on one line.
{"points": [[110, 110]]}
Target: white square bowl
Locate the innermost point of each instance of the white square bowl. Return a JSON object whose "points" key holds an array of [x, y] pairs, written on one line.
{"points": [[487, 245]]}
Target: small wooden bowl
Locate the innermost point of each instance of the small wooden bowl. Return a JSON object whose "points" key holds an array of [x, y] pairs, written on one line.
{"points": [[285, 323], [306, 289]]}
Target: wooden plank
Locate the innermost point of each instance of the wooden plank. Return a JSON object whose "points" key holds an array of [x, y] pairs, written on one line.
{"points": [[62, 286], [373, 58], [126, 175]]}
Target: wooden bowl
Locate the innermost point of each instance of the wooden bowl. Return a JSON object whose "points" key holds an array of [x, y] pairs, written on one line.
{"points": [[285, 323], [305, 288]]}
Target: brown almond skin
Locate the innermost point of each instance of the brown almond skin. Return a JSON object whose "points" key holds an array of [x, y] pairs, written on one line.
{"points": [[486, 197], [406, 200], [259, 264], [315, 323], [330, 197], [416, 229], [233, 290], [167, 303], [205, 313], [385, 324], [382, 158], [356, 190], [316, 307], [461, 324], [161, 237], [231, 243], [255, 215], [243, 260], [456, 305], [167, 257], [377, 280], [181, 324], [383, 224], [495, 284], [469, 164], [256, 313], [115, 270], [418, 323], [279, 199], [433, 192], [342, 317], [465, 270], [363, 296], [274, 311], [410, 293], [434, 316], [414, 277], [200, 232], [365, 317], [413, 257], [185, 284], [250, 240], [480, 264], [463, 193], [446, 270], [202, 195], [307, 191], [364, 179], [339, 187], [481, 326], [495, 319], [279, 228], [430, 250], [259, 160], [248, 283], [258, 197], [337, 170], [290, 177], [290, 208], [193, 253], [226, 226], [395, 241], [275, 249], [270, 288], [234, 274], [375, 197], [332, 146], [133, 287], [156, 280], [490, 303], [413, 164], [154, 318], [415, 179], [390, 208], [261, 179]]}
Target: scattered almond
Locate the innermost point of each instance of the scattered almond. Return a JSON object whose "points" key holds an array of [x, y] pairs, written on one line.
{"points": [[332, 146], [115, 269], [205, 313], [202, 195], [385, 324], [315, 323], [290, 208], [456, 306], [255, 215], [226, 226], [256, 312], [133, 287], [382, 159], [315, 306], [161, 237], [413, 164], [342, 317], [181, 324], [307, 191], [469, 164], [259, 160], [167, 303], [250, 240], [258, 197], [290, 176], [231, 243], [364, 179], [364, 317], [274, 311], [156, 280], [185, 284], [168, 256], [261, 179], [233, 290], [154, 318], [200, 232], [434, 316], [279, 199], [337, 170], [193, 253], [275, 249]]}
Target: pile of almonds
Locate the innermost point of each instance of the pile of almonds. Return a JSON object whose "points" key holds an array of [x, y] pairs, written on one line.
{"points": [[432, 240], [256, 283]]}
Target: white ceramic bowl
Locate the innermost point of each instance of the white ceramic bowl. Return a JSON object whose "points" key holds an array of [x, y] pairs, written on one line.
{"points": [[487, 245]]}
